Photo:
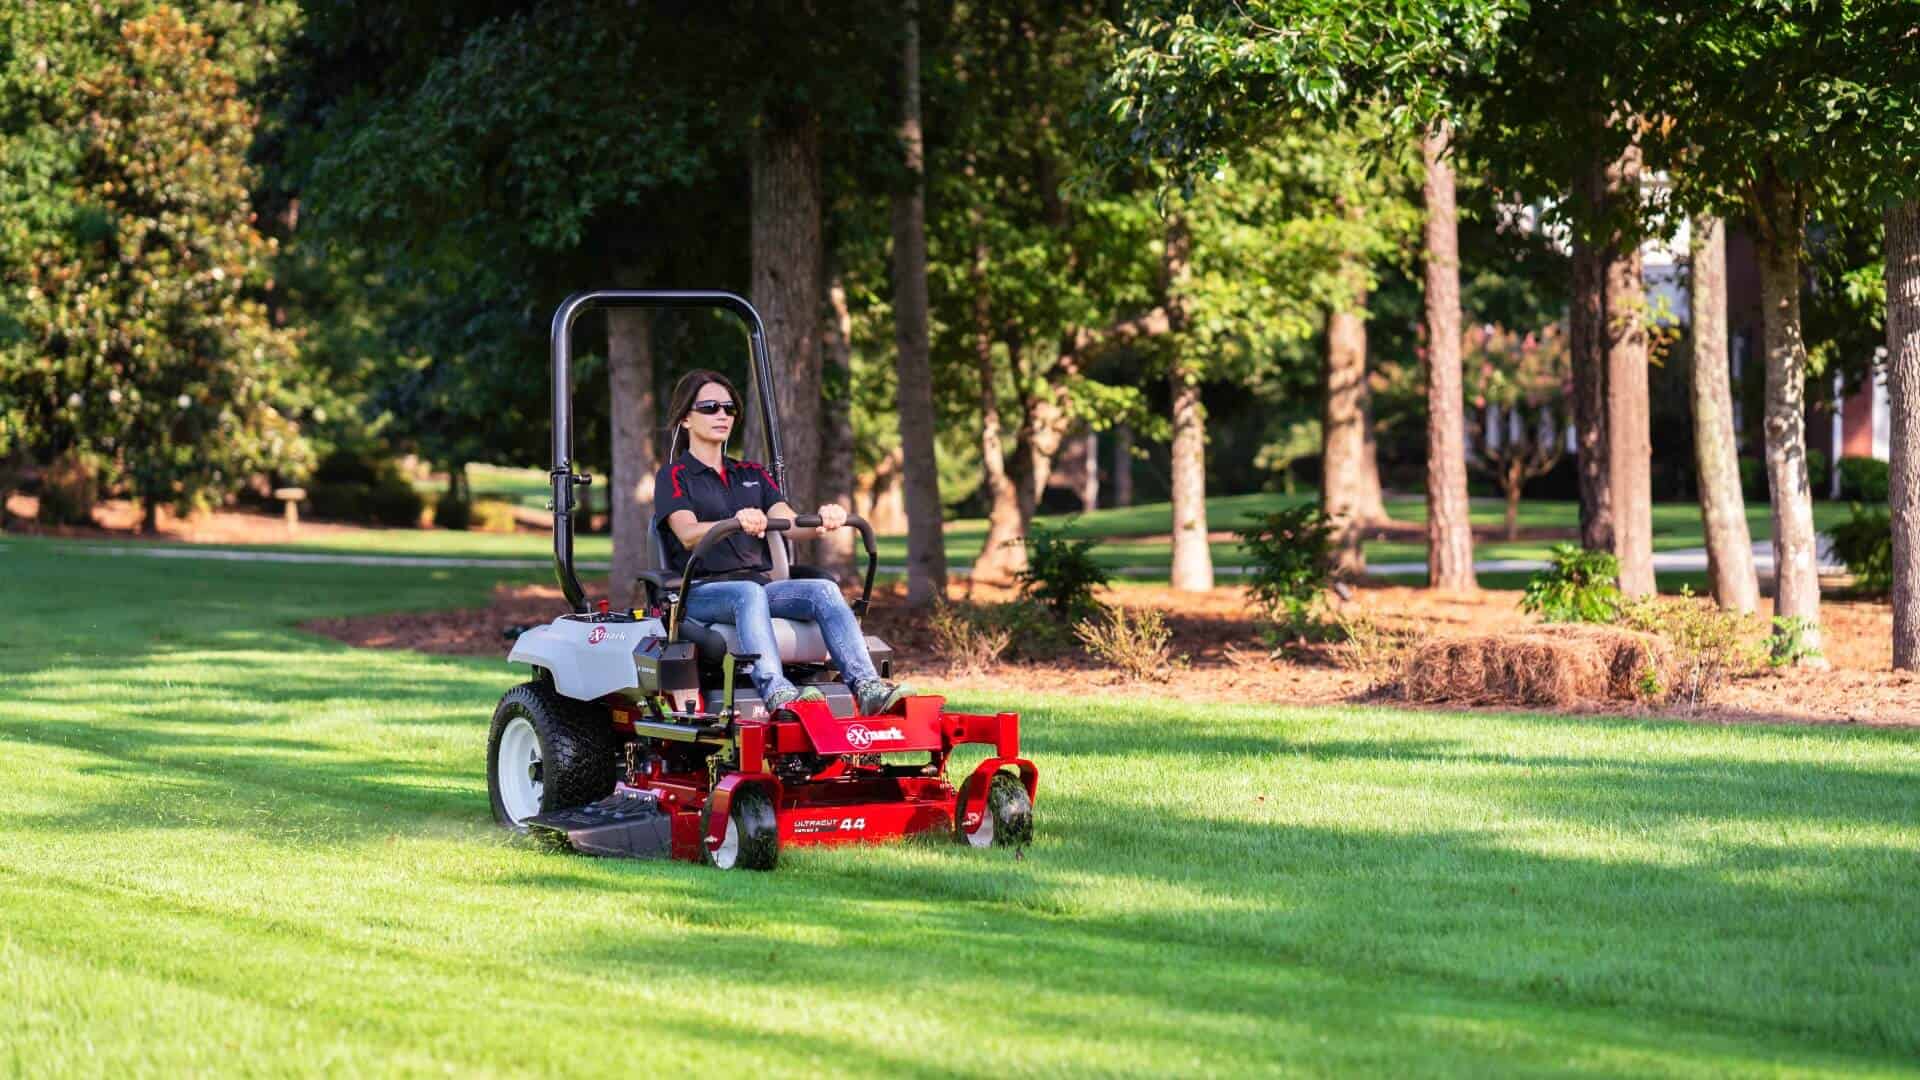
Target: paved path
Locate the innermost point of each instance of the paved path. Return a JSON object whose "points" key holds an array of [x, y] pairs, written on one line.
{"points": [[1687, 560]]}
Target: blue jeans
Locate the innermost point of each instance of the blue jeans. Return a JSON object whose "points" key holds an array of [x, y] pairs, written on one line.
{"points": [[752, 607]]}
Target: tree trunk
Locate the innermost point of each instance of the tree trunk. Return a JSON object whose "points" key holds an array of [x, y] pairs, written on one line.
{"points": [[635, 457], [834, 553], [1629, 432], [1192, 558], [1723, 510], [1372, 504], [1586, 341], [1781, 216], [1449, 530], [882, 496], [1090, 480], [1343, 437], [1002, 555], [926, 543], [1903, 391], [787, 266], [1513, 482], [1122, 474]]}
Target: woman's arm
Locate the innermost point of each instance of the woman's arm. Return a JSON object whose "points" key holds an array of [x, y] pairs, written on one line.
{"points": [[691, 530], [832, 516]]}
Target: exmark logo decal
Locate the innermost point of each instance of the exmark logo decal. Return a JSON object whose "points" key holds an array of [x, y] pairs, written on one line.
{"points": [[832, 824], [860, 736], [596, 635]]}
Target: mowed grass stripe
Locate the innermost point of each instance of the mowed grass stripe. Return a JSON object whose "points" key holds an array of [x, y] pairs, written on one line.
{"points": [[271, 825]]}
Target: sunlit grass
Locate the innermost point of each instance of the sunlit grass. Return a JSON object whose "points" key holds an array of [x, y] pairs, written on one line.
{"points": [[228, 846]]}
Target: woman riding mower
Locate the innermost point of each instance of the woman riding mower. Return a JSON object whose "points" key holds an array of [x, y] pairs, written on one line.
{"points": [[700, 486]]}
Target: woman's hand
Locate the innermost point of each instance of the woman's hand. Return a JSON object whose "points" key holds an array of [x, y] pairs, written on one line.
{"points": [[752, 522], [832, 516]]}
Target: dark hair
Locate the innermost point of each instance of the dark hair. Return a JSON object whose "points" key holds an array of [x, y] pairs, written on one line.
{"points": [[684, 391]]}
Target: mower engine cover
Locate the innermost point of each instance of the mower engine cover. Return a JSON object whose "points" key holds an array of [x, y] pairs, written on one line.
{"points": [[590, 656]]}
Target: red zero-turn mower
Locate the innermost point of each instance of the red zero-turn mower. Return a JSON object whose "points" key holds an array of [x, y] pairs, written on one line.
{"points": [[640, 733]]}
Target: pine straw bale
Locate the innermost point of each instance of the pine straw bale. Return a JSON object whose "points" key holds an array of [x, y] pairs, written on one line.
{"points": [[1558, 666]]}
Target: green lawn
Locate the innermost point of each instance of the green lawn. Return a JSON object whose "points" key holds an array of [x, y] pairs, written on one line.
{"points": [[228, 846]]}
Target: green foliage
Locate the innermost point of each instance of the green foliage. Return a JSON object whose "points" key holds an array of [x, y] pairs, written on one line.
{"points": [[1061, 574], [1818, 480], [1865, 543], [1792, 641], [1578, 586], [1710, 646], [451, 511], [1291, 554], [130, 259], [69, 488], [967, 637], [493, 516], [349, 486], [1137, 643], [1864, 478]]}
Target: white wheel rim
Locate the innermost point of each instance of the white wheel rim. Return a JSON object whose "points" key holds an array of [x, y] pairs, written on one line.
{"points": [[728, 852], [518, 764], [982, 835]]}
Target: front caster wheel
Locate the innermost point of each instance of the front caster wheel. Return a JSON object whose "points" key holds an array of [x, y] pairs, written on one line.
{"points": [[1007, 819], [752, 841]]}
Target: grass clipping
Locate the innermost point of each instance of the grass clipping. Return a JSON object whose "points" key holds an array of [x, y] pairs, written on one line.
{"points": [[1558, 666]]}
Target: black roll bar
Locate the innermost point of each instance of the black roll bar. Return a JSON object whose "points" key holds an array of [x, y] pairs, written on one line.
{"points": [[564, 478], [723, 529]]}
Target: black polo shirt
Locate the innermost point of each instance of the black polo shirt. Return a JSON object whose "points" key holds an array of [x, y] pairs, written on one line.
{"points": [[686, 483]]}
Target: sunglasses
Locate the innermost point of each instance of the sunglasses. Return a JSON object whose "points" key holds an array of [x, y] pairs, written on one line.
{"points": [[709, 408]]}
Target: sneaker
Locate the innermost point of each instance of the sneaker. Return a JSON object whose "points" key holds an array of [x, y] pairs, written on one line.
{"points": [[877, 696], [790, 693]]}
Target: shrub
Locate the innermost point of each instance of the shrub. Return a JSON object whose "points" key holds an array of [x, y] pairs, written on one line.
{"points": [[1753, 479], [346, 467], [1137, 644], [494, 516], [1579, 586], [1865, 543], [1791, 643], [1864, 478], [1817, 478], [1061, 575], [1033, 631], [1710, 646], [453, 512], [967, 638], [1378, 652], [68, 490], [1291, 552], [341, 502], [394, 502]]}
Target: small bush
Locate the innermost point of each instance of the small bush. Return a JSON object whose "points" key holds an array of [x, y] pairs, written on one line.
{"points": [[453, 512], [493, 516], [1864, 479], [395, 503], [1710, 646], [346, 467], [967, 638], [1579, 586], [1378, 652], [1291, 552], [1865, 543], [1033, 631], [1818, 480], [69, 488], [1062, 575], [1792, 641], [1137, 644], [1753, 479]]}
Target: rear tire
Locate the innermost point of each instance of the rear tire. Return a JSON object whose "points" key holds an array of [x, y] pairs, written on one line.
{"points": [[752, 839], [1008, 817], [546, 752]]}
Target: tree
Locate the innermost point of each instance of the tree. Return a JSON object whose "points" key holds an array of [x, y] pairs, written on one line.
{"points": [[129, 250], [1796, 110], [1191, 80], [1517, 383], [1722, 509], [926, 544], [1903, 387]]}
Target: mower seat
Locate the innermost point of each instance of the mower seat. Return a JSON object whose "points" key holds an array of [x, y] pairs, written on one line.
{"points": [[800, 640]]}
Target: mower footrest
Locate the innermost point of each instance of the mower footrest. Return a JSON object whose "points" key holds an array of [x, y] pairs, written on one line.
{"points": [[627, 823]]}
